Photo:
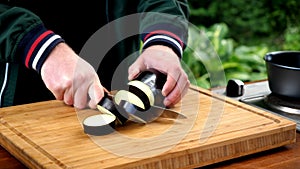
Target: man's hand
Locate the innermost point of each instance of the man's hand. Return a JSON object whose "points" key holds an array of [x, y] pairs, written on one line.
{"points": [[165, 60], [71, 79]]}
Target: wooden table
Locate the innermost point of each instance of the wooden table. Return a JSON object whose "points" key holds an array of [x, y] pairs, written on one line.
{"points": [[286, 157]]}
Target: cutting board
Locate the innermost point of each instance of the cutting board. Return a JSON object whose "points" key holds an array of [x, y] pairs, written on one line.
{"points": [[50, 135]]}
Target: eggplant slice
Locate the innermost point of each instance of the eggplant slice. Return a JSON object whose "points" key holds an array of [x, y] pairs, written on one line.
{"points": [[100, 124]]}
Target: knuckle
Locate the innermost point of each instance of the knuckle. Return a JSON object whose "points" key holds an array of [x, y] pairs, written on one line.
{"points": [[188, 83], [80, 77], [56, 88], [79, 105], [177, 69], [68, 100]]}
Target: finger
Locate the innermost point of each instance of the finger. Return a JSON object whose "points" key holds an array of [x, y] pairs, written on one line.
{"points": [[178, 91], [95, 93], [170, 83], [57, 91], [68, 96], [58, 95], [137, 67], [172, 100], [183, 93], [81, 97], [173, 97]]}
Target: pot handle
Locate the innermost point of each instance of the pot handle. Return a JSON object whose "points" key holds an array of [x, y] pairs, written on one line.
{"points": [[268, 57]]}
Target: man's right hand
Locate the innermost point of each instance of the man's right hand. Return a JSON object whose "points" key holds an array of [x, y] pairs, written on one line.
{"points": [[71, 79]]}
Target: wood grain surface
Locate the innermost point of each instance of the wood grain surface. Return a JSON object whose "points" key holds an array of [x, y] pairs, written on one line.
{"points": [[284, 157], [49, 135]]}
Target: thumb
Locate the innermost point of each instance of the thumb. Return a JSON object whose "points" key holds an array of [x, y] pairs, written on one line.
{"points": [[137, 67]]}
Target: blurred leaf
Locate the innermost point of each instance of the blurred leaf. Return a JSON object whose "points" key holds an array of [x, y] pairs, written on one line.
{"points": [[238, 61], [203, 81], [230, 65], [238, 75], [257, 76]]}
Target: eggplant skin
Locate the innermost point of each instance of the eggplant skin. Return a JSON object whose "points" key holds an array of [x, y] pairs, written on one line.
{"points": [[146, 116], [108, 103], [138, 92], [99, 130]]}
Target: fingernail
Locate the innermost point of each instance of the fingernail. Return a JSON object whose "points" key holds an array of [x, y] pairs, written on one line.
{"points": [[163, 92], [130, 77], [132, 74], [167, 102]]}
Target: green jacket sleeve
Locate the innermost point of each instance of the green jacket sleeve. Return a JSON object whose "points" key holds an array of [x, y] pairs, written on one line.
{"points": [[164, 22], [23, 37], [15, 23]]}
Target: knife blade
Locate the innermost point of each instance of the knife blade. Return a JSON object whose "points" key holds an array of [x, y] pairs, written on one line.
{"points": [[159, 110], [169, 113]]}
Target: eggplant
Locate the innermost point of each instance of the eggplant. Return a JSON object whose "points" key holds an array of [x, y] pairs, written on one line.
{"points": [[100, 124]]}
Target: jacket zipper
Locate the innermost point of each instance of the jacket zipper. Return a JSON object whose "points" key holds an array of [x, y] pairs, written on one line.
{"points": [[4, 83]]}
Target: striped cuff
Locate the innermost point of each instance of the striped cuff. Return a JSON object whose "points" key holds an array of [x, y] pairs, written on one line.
{"points": [[37, 45], [165, 38]]}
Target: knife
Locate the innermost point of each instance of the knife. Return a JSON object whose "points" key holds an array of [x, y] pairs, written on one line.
{"points": [[140, 104], [169, 113], [140, 115]]}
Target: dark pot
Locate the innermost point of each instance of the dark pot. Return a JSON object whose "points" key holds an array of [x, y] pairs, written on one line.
{"points": [[283, 71]]}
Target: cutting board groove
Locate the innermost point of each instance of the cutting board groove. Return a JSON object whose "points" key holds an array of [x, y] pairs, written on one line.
{"points": [[50, 135]]}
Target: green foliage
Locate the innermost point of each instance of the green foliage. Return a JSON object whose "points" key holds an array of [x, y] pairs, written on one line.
{"points": [[240, 33], [246, 63], [292, 38], [240, 62], [250, 21]]}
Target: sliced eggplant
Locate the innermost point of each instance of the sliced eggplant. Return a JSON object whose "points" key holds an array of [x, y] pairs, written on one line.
{"points": [[107, 105], [143, 91], [130, 104], [139, 116], [100, 124], [129, 97], [155, 80]]}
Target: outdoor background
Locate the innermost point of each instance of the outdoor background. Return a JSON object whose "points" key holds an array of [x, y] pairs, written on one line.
{"points": [[241, 33]]}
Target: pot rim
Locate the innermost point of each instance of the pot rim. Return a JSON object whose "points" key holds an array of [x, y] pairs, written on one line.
{"points": [[280, 65]]}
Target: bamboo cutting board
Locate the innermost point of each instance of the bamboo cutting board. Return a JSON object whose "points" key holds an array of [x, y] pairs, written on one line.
{"points": [[50, 135]]}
